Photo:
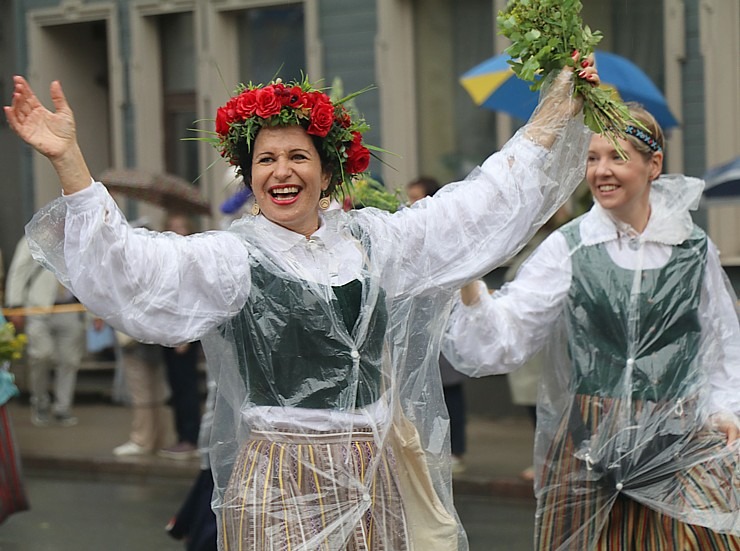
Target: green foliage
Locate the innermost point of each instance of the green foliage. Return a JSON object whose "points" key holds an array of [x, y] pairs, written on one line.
{"points": [[368, 192], [11, 345], [544, 35]]}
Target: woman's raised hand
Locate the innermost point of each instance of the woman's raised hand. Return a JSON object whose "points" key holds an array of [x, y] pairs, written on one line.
{"points": [[51, 134], [559, 103]]}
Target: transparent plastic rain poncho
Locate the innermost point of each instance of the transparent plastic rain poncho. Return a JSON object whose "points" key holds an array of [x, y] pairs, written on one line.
{"points": [[330, 429], [642, 349]]}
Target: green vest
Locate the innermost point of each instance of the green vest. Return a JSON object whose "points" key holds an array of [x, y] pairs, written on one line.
{"points": [[655, 333], [290, 353]]}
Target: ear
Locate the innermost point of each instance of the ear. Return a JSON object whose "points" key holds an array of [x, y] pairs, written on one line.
{"points": [[656, 165], [325, 179]]}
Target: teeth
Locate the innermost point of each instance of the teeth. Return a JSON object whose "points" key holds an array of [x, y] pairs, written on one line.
{"points": [[285, 190], [608, 187]]}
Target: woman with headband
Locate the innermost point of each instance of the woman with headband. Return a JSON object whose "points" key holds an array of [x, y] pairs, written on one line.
{"points": [[637, 429]]}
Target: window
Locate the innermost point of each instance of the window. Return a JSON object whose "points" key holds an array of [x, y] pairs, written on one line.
{"points": [[179, 102], [271, 43]]}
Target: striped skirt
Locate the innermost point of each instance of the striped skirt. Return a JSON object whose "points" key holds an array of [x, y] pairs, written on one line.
{"points": [[313, 491], [577, 512], [12, 492]]}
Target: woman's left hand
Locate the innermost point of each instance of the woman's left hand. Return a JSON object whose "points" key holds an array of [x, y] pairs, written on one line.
{"points": [[727, 424], [559, 103]]}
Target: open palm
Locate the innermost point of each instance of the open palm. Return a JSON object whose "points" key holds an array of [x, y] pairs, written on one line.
{"points": [[51, 134]]}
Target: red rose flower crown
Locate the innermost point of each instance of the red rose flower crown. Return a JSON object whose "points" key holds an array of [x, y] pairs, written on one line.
{"points": [[296, 103]]}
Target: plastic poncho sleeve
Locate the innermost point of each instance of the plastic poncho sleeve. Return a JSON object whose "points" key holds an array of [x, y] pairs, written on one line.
{"points": [[719, 317], [161, 288], [502, 331], [469, 228]]}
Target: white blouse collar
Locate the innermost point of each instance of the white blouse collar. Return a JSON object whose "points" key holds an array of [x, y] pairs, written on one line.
{"points": [[282, 239], [671, 198]]}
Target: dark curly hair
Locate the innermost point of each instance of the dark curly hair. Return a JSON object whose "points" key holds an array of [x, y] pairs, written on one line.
{"points": [[427, 183]]}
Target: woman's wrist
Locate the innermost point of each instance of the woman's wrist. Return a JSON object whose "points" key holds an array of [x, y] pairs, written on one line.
{"points": [[470, 293], [74, 175]]}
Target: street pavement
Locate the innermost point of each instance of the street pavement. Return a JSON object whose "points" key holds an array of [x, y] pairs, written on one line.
{"points": [[75, 514], [498, 449]]}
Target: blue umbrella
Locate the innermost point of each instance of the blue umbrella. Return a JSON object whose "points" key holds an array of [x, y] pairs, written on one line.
{"points": [[723, 181], [493, 85]]}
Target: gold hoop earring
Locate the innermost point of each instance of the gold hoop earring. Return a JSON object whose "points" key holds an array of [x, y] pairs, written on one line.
{"points": [[255, 209], [324, 202]]}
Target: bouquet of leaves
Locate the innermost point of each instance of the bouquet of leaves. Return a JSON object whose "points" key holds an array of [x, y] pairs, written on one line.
{"points": [[11, 345], [367, 192], [544, 35]]}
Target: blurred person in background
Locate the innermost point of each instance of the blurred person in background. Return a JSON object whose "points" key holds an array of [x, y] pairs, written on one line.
{"points": [[13, 498], [56, 341], [181, 364], [524, 382], [145, 392]]}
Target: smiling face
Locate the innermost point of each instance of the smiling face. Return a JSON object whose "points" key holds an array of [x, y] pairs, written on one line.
{"points": [[287, 178], [622, 187]]}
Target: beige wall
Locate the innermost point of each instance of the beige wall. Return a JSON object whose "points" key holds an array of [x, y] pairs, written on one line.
{"points": [[435, 82], [395, 70], [720, 44], [63, 47]]}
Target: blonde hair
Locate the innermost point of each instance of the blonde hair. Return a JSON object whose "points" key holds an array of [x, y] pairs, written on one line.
{"points": [[644, 117]]}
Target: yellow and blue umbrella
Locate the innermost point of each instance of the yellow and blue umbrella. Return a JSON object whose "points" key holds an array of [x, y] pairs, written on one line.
{"points": [[493, 85]]}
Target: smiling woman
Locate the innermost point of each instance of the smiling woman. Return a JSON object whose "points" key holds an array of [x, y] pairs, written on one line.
{"points": [[622, 186], [288, 178], [294, 146], [638, 418], [321, 327]]}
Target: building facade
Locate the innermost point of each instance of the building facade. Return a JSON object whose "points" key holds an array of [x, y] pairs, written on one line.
{"points": [[138, 73]]}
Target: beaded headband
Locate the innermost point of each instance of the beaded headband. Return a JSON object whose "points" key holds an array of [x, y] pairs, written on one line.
{"points": [[644, 137]]}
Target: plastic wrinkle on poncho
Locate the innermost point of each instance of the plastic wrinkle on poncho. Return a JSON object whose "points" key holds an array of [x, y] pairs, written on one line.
{"points": [[291, 353], [625, 399]]}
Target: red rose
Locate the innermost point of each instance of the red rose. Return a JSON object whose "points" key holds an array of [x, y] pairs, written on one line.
{"points": [[268, 103], [358, 156], [231, 113], [246, 104], [222, 121], [312, 98], [322, 117]]}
